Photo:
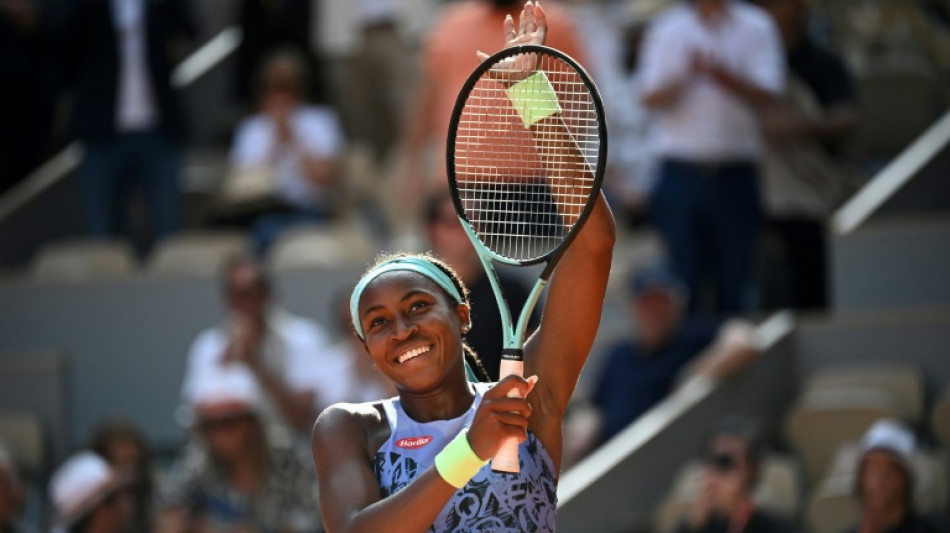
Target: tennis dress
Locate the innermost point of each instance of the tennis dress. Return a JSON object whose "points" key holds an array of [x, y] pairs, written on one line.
{"points": [[491, 502]]}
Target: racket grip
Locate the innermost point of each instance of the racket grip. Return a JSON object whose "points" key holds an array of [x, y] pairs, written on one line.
{"points": [[506, 459]]}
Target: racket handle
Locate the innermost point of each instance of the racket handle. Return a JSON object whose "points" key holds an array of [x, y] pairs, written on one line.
{"points": [[506, 460]]}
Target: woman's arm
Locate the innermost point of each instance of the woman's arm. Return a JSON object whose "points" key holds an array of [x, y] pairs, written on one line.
{"points": [[558, 350], [350, 499], [556, 353], [346, 436]]}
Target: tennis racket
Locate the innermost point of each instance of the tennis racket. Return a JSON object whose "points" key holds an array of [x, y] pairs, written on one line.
{"points": [[523, 185]]}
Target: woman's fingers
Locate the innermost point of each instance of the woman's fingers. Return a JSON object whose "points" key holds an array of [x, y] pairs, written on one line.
{"points": [[530, 25], [512, 383], [514, 404], [502, 415], [541, 23], [509, 26]]}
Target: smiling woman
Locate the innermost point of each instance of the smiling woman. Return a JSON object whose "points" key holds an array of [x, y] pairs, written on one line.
{"points": [[419, 462], [449, 286]]}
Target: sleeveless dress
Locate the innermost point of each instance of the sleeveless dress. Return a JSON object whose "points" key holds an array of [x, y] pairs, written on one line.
{"points": [[491, 502]]}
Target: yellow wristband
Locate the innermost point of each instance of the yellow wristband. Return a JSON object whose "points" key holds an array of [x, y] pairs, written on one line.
{"points": [[457, 463], [534, 98]]}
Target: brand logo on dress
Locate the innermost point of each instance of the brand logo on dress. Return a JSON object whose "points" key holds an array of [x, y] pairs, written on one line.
{"points": [[414, 442]]}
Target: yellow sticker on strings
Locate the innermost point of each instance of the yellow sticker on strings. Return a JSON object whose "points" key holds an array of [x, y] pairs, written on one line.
{"points": [[534, 98]]}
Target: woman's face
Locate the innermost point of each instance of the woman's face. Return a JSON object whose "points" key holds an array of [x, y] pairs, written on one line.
{"points": [[412, 329]]}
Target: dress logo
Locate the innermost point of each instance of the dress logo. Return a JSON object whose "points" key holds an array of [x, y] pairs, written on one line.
{"points": [[414, 442]]}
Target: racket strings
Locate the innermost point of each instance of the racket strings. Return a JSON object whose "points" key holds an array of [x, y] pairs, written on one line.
{"points": [[521, 190]]}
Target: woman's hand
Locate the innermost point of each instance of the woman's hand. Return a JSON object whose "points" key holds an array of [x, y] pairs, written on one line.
{"points": [[532, 28], [500, 416]]}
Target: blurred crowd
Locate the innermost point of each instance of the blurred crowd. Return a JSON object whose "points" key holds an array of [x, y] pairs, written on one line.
{"points": [[735, 130], [734, 134]]}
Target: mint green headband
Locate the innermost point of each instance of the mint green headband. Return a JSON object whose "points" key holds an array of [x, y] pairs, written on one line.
{"points": [[411, 264]]}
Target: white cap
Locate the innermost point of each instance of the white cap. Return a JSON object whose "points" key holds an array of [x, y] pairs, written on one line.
{"points": [[225, 390], [889, 435], [80, 484]]}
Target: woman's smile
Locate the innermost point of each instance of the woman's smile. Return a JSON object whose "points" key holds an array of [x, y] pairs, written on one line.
{"points": [[413, 353]]}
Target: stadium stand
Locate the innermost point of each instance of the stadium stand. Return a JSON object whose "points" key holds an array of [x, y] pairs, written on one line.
{"points": [[196, 253], [83, 260], [321, 246], [115, 330]]}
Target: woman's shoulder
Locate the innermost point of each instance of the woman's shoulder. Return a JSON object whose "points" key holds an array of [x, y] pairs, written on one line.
{"points": [[352, 426], [354, 419], [345, 413]]}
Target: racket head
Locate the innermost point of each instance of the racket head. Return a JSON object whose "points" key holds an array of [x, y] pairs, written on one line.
{"points": [[499, 186]]}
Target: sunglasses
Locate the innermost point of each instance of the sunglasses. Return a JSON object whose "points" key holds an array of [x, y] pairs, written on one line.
{"points": [[722, 462], [224, 422]]}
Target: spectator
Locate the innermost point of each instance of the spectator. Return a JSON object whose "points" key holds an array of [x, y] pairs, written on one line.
{"points": [[11, 497], [806, 176], [289, 151], [639, 372], [125, 112], [26, 89], [275, 348], [234, 476], [355, 378], [367, 43], [885, 483], [709, 68], [89, 496], [447, 60], [615, 32], [449, 242], [122, 444], [725, 503], [268, 25]]}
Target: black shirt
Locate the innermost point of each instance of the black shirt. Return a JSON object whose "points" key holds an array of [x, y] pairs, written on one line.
{"points": [[486, 336], [759, 522], [823, 72], [632, 381]]}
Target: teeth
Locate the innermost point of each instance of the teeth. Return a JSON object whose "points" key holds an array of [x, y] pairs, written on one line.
{"points": [[413, 353]]}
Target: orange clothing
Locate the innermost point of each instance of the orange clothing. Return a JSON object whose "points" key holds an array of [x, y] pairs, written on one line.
{"points": [[449, 53]]}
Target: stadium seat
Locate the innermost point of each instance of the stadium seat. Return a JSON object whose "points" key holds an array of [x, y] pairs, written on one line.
{"points": [[33, 394], [83, 260], [322, 246], [940, 417], [832, 507], [903, 382], [824, 419], [21, 434], [196, 253], [779, 491]]}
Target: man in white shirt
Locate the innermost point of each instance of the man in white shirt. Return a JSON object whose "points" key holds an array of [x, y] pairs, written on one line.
{"points": [[279, 350], [299, 145], [708, 70]]}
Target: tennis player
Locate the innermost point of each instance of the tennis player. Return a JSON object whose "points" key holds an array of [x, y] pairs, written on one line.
{"points": [[419, 462]]}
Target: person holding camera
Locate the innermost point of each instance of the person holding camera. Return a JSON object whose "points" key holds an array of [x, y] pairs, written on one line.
{"points": [[725, 503]]}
